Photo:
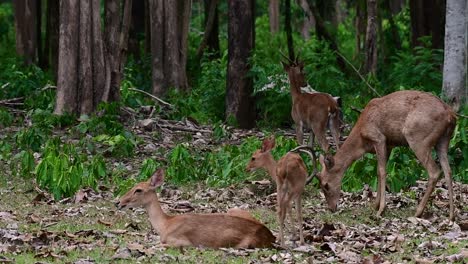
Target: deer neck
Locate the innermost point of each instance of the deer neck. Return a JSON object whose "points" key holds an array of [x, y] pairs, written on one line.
{"points": [[295, 86], [157, 216], [270, 166], [352, 149]]}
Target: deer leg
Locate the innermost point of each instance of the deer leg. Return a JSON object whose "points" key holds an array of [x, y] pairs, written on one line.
{"points": [[319, 131], [381, 151], [442, 149], [299, 219], [334, 125], [314, 157], [299, 132], [423, 153]]}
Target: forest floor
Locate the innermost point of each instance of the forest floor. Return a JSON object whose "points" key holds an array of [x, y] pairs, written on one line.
{"points": [[88, 228]]}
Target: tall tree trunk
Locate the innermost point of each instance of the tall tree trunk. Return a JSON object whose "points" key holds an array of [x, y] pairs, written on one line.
{"points": [[169, 33], [309, 20], [26, 29], [53, 30], [274, 16], [90, 65], [371, 37], [148, 19], [137, 28], [454, 87], [287, 27], [360, 25], [210, 39], [240, 104], [43, 61], [427, 19]]}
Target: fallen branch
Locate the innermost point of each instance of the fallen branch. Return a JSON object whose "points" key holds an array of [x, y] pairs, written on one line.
{"points": [[181, 128], [152, 96], [354, 68]]}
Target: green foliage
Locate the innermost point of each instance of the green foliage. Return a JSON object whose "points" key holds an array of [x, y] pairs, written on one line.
{"points": [[63, 170], [6, 119], [418, 69], [7, 34], [121, 145], [45, 119], [5, 150], [458, 150], [26, 164], [31, 138], [105, 121]]}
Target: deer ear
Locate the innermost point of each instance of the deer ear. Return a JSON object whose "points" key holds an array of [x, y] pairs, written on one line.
{"points": [[268, 144], [327, 161], [157, 179]]}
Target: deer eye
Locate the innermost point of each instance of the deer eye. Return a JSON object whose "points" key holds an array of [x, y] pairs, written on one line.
{"points": [[138, 191], [253, 158]]}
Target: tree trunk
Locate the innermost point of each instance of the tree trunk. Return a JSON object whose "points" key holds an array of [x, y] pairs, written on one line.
{"points": [[454, 87], [210, 39], [371, 38], [240, 104], [427, 19], [53, 32], [88, 71], [169, 36], [137, 28], [360, 25], [26, 29], [273, 15], [309, 20], [287, 27]]}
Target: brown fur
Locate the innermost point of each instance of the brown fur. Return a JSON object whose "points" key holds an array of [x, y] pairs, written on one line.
{"points": [[290, 175], [405, 118], [314, 112], [207, 230]]}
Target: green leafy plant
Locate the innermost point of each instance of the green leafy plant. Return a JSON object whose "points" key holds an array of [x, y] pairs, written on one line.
{"points": [[63, 170], [106, 121], [121, 145], [25, 165], [6, 118], [31, 138]]}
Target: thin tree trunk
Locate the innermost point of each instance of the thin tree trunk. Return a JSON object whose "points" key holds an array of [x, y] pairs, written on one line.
{"points": [[184, 24], [211, 13], [454, 87], [54, 32], [287, 27], [274, 15], [157, 46], [137, 28], [85, 65], [371, 37], [26, 29], [41, 53], [101, 69], [360, 25], [240, 104], [148, 28], [309, 20]]}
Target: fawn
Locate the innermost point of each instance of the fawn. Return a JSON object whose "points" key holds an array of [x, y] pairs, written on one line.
{"points": [[236, 229], [290, 175], [413, 118]]}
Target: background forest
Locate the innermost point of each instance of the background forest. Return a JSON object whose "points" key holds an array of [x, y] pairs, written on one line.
{"points": [[99, 94]]}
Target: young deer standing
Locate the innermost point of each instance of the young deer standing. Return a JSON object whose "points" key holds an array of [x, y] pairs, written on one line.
{"points": [[413, 118], [312, 111], [290, 175], [234, 229]]}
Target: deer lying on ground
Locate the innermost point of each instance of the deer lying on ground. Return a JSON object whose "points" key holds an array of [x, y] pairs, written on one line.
{"points": [[290, 175], [234, 229], [413, 118], [312, 111]]}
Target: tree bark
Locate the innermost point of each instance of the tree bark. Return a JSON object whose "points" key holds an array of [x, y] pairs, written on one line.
{"points": [[454, 86], [169, 33], [371, 37], [287, 28], [274, 16], [427, 19], [26, 29], [137, 28], [241, 40], [309, 20], [360, 25], [53, 30], [210, 37]]}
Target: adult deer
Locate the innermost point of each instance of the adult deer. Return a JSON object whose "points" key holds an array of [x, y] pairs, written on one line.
{"points": [[312, 111], [235, 229], [413, 118], [290, 175]]}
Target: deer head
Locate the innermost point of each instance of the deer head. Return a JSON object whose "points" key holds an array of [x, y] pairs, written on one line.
{"points": [[141, 194], [330, 182], [262, 157], [295, 70]]}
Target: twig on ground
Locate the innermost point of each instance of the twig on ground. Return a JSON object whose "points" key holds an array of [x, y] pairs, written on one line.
{"points": [[152, 96]]}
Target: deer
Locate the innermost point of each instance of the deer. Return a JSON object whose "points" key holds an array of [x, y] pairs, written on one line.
{"points": [[237, 229], [312, 111], [405, 118], [289, 174]]}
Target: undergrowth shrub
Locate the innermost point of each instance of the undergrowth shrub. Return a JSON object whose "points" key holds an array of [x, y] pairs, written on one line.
{"points": [[63, 169]]}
